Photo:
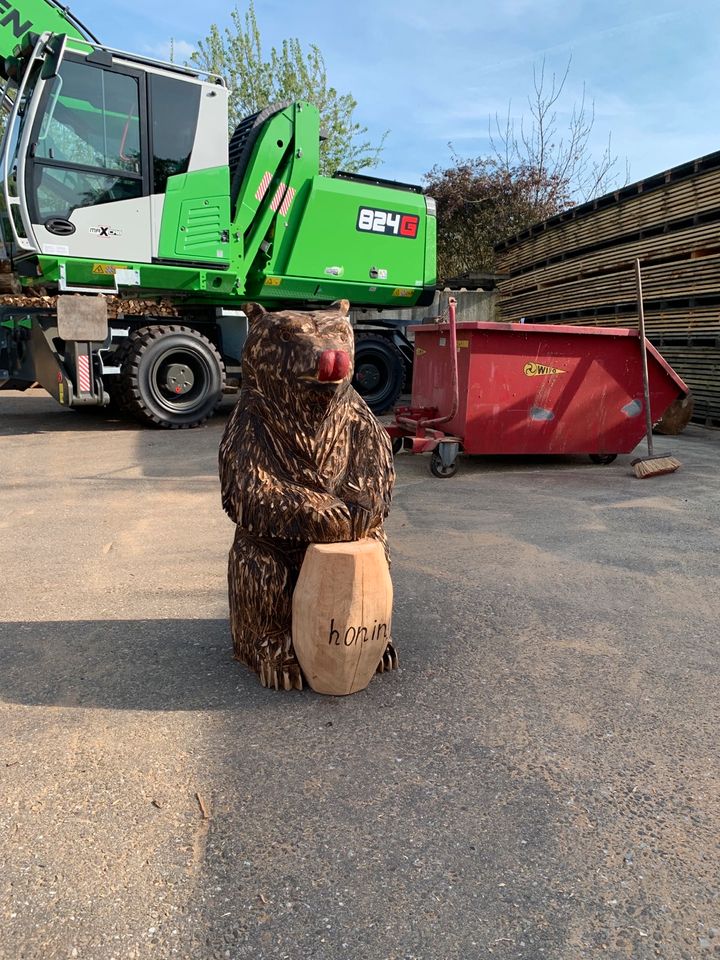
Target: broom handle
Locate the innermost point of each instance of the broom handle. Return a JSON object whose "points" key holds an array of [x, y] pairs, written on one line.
{"points": [[643, 351]]}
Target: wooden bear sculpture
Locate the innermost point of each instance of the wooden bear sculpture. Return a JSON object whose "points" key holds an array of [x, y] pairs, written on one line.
{"points": [[303, 460]]}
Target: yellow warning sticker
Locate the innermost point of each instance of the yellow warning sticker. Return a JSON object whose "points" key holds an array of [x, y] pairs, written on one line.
{"points": [[463, 344], [403, 292], [273, 281], [106, 269], [61, 393], [540, 370], [419, 352]]}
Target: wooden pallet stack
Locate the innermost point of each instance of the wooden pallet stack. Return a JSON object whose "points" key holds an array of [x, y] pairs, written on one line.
{"points": [[577, 268]]}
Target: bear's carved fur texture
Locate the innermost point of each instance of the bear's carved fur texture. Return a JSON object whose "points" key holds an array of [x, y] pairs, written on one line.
{"points": [[302, 460]]}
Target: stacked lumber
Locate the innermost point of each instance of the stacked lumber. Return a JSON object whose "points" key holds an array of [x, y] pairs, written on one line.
{"points": [[699, 366], [577, 268]]}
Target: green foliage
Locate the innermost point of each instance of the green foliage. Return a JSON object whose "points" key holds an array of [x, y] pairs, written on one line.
{"points": [[481, 202], [257, 80]]}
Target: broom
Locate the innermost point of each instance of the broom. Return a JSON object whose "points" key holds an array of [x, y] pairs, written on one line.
{"points": [[652, 465]]}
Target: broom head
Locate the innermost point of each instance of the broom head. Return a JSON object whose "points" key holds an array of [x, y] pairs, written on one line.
{"points": [[654, 466]]}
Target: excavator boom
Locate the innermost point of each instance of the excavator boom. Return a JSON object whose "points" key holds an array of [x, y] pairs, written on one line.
{"points": [[20, 17]]}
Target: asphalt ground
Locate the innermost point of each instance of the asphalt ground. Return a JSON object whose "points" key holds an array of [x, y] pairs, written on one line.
{"points": [[539, 780]]}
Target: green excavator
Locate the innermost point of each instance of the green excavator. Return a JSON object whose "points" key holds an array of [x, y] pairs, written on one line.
{"points": [[134, 228]]}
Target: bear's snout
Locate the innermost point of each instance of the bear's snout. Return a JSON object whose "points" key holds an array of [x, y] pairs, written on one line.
{"points": [[333, 366]]}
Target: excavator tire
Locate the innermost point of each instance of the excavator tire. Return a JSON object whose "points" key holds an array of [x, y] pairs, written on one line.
{"points": [[171, 376], [380, 372]]}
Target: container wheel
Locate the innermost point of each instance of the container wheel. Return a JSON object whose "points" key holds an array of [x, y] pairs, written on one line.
{"points": [[171, 376], [441, 470], [603, 458], [379, 375]]}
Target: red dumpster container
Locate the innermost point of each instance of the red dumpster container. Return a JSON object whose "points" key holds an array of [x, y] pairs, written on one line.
{"points": [[541, 388]]}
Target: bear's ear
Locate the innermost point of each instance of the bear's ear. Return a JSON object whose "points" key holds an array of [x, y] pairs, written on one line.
{"points": [[254, 312], [342, 307]]}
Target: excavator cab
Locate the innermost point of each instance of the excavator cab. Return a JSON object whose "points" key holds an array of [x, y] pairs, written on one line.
{"points": [[94, 141]]}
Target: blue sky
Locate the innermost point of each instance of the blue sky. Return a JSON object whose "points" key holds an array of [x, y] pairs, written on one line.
{"points": [[432, 73]]}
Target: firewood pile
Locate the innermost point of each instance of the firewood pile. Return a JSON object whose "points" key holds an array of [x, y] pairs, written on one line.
{"points": [[117, 307], [577, 268]]}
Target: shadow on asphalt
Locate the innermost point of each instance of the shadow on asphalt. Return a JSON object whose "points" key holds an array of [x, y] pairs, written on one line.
{"points": [[35, 412], [125, 665], [65, 421], [474, 465]]}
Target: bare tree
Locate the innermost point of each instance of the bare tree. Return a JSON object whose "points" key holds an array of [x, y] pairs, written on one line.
{"points": [[566, 170], [536, 168]]}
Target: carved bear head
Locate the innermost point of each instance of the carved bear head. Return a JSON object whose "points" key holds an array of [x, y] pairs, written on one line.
{"points": [[305, 351]]}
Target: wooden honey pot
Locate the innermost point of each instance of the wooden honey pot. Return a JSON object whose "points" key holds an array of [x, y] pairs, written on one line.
{"points": [[342, 615]]}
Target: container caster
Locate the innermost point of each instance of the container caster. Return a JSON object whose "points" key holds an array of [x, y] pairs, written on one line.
{"points": [[603, 458], [444, 461]]}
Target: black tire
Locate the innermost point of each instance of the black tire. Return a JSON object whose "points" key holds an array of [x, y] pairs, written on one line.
{"points": [[379, 375], [397, 445], [439, 470], [603, 459], [171, 376]]}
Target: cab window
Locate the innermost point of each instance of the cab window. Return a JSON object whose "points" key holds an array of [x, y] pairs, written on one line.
{"points": [[175, 106], [88, 147]]}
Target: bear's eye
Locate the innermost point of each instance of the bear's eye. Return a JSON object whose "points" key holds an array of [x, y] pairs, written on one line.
{"points": [[285, 336]]}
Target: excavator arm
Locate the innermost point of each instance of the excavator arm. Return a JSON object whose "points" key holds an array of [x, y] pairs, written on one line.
{"points": [[20, 17]]}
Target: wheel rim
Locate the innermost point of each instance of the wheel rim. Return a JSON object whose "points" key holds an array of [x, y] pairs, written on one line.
{"points": [[180, 380], [177, 379], [440, 469], [371, 376]]}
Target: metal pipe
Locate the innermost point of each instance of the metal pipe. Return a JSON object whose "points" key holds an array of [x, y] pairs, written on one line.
{"points": [[422, 424], [75, 21]]}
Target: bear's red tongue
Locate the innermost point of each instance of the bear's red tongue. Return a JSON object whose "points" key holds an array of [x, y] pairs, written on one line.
{"points": [[334, 365]]}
